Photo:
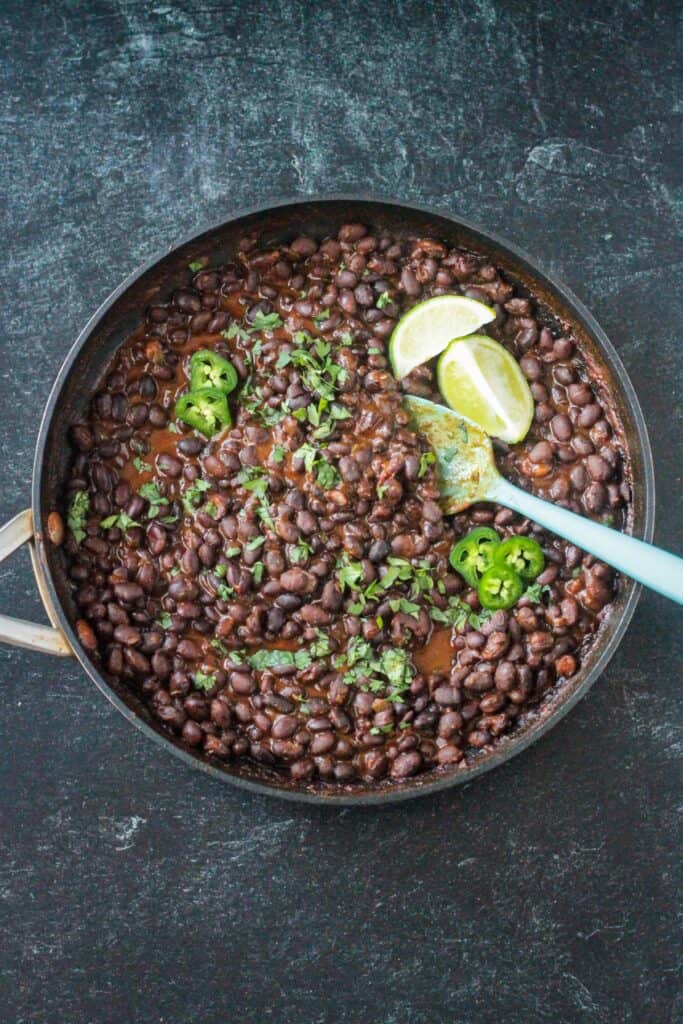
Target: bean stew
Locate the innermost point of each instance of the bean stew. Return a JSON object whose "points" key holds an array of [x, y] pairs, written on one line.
{"points": [[275, 581]]}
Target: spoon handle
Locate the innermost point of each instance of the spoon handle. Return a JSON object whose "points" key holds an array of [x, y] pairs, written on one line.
{"points": [[657, 569]]}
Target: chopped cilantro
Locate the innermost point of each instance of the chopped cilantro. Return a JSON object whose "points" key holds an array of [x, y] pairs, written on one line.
{"points": [[426, 460], [278, 453], [150, 492], [272, 658], [384, 300], [266, 321], [321, 646], [319, 318], [402, 605], [235, 331], [193, 494], [458, 614], [120, 520], [300, 552], [195, 266], [164, 620], [140, 465], [257, 571], [535, 592], [391, 669], [325, 473], [77, 514], [319, 373], [204, 681]]}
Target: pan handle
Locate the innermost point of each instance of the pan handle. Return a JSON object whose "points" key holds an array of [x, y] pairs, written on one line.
{"points": [[17, 632]]}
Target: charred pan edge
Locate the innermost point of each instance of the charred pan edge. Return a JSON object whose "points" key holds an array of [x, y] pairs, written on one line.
{"points": [[521, 268]]}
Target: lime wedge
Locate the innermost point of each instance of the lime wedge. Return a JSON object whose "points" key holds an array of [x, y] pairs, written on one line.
{"points": [[428, 327], [481, 380]]}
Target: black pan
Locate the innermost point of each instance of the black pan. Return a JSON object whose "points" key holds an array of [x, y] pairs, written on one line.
{"points": [[86, 363]]}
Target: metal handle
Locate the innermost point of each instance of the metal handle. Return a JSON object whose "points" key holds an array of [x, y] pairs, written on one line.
{"points": [[18, 632]]}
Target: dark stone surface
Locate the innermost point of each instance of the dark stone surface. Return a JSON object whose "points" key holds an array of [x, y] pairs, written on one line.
{"points": [[135, 890]]}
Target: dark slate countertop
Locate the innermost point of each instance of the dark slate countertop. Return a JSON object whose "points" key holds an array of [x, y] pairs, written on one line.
{"points": [[133, 889]]}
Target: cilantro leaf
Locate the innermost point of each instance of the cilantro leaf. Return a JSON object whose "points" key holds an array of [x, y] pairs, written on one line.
{"points": [[193, 494], [120, 520], [77, 513], [266, 321], [150, 492], [204, 681], [426, 460], [235, 331]]}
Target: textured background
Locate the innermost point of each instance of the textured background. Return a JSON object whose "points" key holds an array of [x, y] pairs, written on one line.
{"points": [[132, 889]]}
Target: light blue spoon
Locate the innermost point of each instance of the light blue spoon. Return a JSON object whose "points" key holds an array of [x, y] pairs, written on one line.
{"points": [[468, 473]]}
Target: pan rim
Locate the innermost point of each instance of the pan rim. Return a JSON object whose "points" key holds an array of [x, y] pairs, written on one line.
{"points": [[515, 744]]}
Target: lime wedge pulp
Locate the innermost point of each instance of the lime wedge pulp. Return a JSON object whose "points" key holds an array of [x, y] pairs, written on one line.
{"points": [[479, 379], [427, 328]]}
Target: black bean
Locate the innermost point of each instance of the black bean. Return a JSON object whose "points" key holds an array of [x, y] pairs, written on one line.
{"points": [[187, 300]]}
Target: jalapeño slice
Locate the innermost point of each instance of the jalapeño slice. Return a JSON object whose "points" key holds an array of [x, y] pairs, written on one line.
{"points": [[521, 554], [209, 370], [499, 587], [473, 555], [205, 409]]}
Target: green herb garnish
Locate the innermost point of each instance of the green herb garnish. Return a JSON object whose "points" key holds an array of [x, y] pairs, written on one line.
{"points": [[120, 520], [77, 513], [235, 331], [204, 681], [266, 321], [193, 495], [257, 571], [426, 460], [535, 592], [150, 492]]}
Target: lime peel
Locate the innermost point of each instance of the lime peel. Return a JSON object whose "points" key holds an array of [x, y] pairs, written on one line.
{"points": [[429, 327], [481, 380]]}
